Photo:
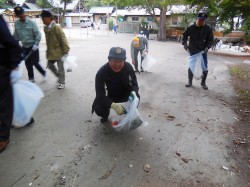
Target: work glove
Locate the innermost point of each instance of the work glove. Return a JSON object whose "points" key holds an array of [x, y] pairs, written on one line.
{"points": [[133, 95], [35, 47], [118, 108], [206, 50], [186, 47]]}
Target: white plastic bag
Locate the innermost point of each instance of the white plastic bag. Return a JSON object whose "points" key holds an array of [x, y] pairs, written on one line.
{"points": [[196, 64], [148, 62], [26, 97], [131, 120], [69, 63]]}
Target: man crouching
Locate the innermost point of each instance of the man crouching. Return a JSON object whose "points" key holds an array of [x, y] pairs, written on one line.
{"points": [[114, 83]]}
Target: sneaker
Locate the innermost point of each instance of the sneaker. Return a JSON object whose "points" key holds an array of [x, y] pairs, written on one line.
{"points": [[61, 86], [3, 145]]}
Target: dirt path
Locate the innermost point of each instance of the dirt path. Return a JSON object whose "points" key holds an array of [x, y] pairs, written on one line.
{"points": [[185, 143]]}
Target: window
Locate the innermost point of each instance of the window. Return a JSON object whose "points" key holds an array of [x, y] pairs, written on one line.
{"points": [[135, 18], [150, 18], [174, 21]]}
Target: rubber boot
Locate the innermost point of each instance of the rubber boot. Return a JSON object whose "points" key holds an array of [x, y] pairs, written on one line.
{"points": [[190, 78], [203, 80]]}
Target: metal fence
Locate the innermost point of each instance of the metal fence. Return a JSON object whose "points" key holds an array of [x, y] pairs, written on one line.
{"points": [[128, 27]]}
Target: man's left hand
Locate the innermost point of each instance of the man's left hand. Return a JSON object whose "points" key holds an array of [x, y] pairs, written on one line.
{"points": [[132, 94], [35, 47]]}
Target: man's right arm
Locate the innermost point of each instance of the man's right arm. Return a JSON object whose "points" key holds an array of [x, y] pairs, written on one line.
{"points": [[100, 90], [13, 49]]}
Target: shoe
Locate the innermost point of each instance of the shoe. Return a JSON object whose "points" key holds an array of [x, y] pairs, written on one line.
{"points": [[188, 85], [61, 86], [204, 86], [31, 121], [45, 76], [3, 145], [32, 80], [103, 120]]}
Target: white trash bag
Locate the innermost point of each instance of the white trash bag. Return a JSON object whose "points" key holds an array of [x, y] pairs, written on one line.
{"points": [[148, 62], [69, 63], [196, 64], [131, 120], [27, 97]]}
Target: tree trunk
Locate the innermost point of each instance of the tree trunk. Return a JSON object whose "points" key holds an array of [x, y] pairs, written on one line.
{"points": [[63, 15], [162, 26]]}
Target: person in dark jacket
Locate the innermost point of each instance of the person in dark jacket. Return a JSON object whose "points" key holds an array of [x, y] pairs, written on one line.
{"points": [[114, 83], [10, 55], [200, 39]]}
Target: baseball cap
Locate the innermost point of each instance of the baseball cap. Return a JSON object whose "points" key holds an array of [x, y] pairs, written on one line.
{"points": [[46, 13], [117, 53], [18, 10], [202, 15]]}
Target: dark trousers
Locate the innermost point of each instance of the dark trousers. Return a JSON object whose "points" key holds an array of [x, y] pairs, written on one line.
{"points": [[102, 111], [6, 105], [204, 55], [33, 60], [136, 51]]}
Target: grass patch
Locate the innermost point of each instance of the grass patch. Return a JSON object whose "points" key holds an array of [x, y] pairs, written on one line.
{"points": [[241, 81]]}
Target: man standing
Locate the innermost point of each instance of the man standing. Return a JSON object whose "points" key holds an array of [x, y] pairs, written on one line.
{"points": [[114, 83], [10, 55], [200, 39], [28, 33], [57, 47], [138, 44]]}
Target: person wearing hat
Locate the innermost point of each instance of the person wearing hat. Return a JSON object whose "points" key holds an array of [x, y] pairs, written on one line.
{"points": [[57, 47], [114, 83], [200, 39], [28, 33], [138, 44], [10, 55]]}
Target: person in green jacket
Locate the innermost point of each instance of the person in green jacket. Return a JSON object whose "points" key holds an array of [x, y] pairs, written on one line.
{"points": [[57, 47], [28, 33]]}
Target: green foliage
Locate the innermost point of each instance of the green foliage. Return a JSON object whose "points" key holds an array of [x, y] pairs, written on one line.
{"points": [[2, 4], [44, 3], [110, 23], [92, 3], [187, 20]]}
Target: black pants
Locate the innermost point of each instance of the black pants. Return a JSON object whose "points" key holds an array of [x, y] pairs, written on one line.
{"points": [[102, 111], [33, 60], [136, 51], [6, 105]]}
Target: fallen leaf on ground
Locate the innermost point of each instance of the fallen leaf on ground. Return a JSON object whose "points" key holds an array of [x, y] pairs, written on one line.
{"points": [[107, 173], [185, 159], [170, 118], [146, 167]]}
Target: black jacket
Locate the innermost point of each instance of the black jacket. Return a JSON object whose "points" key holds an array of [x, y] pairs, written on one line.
{"points": [[199, 38], [10, 51], [114, 87]]}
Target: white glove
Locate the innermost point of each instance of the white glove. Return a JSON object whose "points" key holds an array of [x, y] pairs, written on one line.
{"points": [[35, 47]]}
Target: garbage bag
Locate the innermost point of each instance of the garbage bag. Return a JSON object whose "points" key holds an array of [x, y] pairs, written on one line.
{"points": [[148, 62], [69, 63], [26, 96], [196, 64], [131, 120]]}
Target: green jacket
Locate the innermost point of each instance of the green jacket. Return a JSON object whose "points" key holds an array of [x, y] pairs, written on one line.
{"points": [[57, 44], [27, 32]]}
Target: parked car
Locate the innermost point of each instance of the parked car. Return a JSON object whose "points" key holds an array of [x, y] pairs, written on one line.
{"points": [[85, 23]]}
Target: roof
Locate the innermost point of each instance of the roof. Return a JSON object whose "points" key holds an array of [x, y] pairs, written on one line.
{"points": [[101, 10], [77, 14], [32, 6], [70, 6], [19, 2]]}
